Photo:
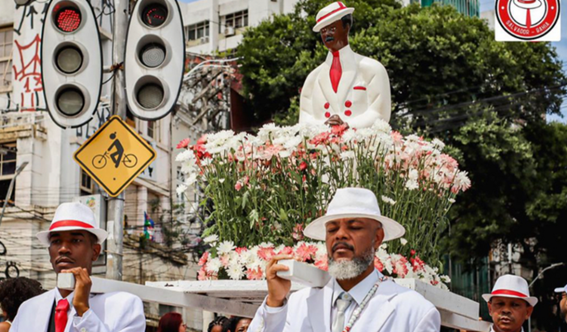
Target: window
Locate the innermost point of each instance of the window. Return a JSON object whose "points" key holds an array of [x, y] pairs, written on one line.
{"points": [[7, 169], [237, 20], [87, 187], [197, 31], [153, 130], [7, 159], [6, 35]]}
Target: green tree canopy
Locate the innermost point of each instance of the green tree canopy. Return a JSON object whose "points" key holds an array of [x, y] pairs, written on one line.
{"points": [[439, 61]]}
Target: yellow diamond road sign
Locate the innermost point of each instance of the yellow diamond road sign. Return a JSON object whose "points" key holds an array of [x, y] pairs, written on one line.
{"points": [[114, 156]]}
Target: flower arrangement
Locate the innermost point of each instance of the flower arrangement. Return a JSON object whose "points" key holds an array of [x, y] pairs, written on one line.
{"points": [[236, 263], [268, 187]]}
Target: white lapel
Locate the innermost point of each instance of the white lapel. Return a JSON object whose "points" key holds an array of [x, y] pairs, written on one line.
{"points": [[324, 80], [41, 311], [320, 315], [378, 310], [350, 68]]}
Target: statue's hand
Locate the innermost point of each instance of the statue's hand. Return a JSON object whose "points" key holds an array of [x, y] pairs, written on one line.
{"points": [[335, 120]]}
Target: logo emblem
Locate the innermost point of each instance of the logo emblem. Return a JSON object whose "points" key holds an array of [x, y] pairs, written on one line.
{"points": [[528, 20]]}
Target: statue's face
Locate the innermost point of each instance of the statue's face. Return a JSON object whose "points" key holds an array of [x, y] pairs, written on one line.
{"points": [[335, 36]]}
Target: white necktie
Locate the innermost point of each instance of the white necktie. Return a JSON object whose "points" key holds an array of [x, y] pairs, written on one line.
{"points": [[342, 304]]}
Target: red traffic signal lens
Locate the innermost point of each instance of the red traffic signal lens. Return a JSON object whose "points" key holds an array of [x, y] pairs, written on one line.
{"points": [[68, 19], [154, 15]]}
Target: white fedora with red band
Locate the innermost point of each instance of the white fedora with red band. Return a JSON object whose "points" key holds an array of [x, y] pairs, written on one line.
{"points": [[512, 287], [71, 217], [330, 14]]}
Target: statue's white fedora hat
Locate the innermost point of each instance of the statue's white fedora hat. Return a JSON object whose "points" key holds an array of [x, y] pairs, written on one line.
{"points": [[354, 203], [330, 14], [71, 217], [512, 287]]}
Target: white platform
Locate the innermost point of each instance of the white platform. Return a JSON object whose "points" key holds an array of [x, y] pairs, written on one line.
{"points": [[243, 297]]}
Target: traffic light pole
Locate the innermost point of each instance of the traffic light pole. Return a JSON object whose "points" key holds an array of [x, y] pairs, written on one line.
{"points": [[115, 209]]}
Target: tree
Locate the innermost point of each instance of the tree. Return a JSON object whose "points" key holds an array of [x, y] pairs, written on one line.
{"points": [[439, 61]]}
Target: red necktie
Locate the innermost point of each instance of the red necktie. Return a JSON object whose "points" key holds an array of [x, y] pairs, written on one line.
{"points": [[61, 315], [336, 71]]}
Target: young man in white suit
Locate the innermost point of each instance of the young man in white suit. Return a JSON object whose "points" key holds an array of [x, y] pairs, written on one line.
{"points": [[74, 243], [357, 298], [348, 87]]}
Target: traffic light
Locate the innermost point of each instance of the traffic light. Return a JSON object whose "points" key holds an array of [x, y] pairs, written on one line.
{"points": [[155, 58], [71, 62]]}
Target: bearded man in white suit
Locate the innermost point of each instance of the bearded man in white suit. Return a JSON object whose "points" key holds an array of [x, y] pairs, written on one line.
{"points": [[74, 243], [348, 87], [357, 298]]}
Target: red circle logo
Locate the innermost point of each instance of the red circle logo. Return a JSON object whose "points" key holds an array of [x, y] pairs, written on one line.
{"points": [[527, 19]]}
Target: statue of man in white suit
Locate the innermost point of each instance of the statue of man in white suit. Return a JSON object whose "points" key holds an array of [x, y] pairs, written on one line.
{"points": [[74, 243], [348, 87], [357, 298]]}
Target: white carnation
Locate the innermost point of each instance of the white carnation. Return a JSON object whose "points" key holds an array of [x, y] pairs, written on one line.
{"points": [[225, 247]]}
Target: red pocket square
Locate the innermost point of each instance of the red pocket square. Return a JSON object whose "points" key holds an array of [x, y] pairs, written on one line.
{"points": [[360, 88]]}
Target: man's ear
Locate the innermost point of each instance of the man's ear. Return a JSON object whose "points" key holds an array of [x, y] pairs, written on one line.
{"points": [[96, 250], [530, 310], [378, 237]]}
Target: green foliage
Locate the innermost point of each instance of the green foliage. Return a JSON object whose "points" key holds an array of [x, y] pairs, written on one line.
{"points": [[439, 63]]}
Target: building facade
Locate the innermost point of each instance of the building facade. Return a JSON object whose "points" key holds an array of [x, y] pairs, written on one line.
{"points": [[217, 25], [42, 152]]}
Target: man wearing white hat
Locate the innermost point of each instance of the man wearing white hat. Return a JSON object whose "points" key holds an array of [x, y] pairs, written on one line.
{"points": [[74, 243], [357, 298], [347, 87], [509, 304]]}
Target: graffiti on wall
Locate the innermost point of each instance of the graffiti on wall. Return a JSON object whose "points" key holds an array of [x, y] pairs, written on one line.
{"points": [[27, 83], [101, 115]]}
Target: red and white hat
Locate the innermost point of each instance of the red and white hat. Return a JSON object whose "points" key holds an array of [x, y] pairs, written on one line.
{"points": [[70, 217], [330, 14], [513, 287]]}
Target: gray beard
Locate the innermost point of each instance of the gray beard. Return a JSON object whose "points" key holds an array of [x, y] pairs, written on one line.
{"points": [[349, 269]]}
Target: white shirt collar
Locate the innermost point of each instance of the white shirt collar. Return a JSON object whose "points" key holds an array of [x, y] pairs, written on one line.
{"points": [[359, 291], [69, 297]]}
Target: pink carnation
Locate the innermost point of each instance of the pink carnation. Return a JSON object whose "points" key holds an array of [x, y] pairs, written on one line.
{"points": [[266, 253], [184, 143], [204, 258], [286, 251], [240, 250], [305, 252], [417, 264], [378, 264], [297, 234], [254, 274], [400, 267]]}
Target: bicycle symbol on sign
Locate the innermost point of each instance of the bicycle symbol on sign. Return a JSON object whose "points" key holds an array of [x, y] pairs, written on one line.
{"points": [[117, 157]]}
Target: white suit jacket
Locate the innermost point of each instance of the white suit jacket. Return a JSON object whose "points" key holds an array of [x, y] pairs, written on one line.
{"points": [[362, 97], [109, 312], [392, 309]]}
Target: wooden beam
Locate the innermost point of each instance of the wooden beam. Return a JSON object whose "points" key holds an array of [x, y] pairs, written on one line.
{"points": [[175, 298]]}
